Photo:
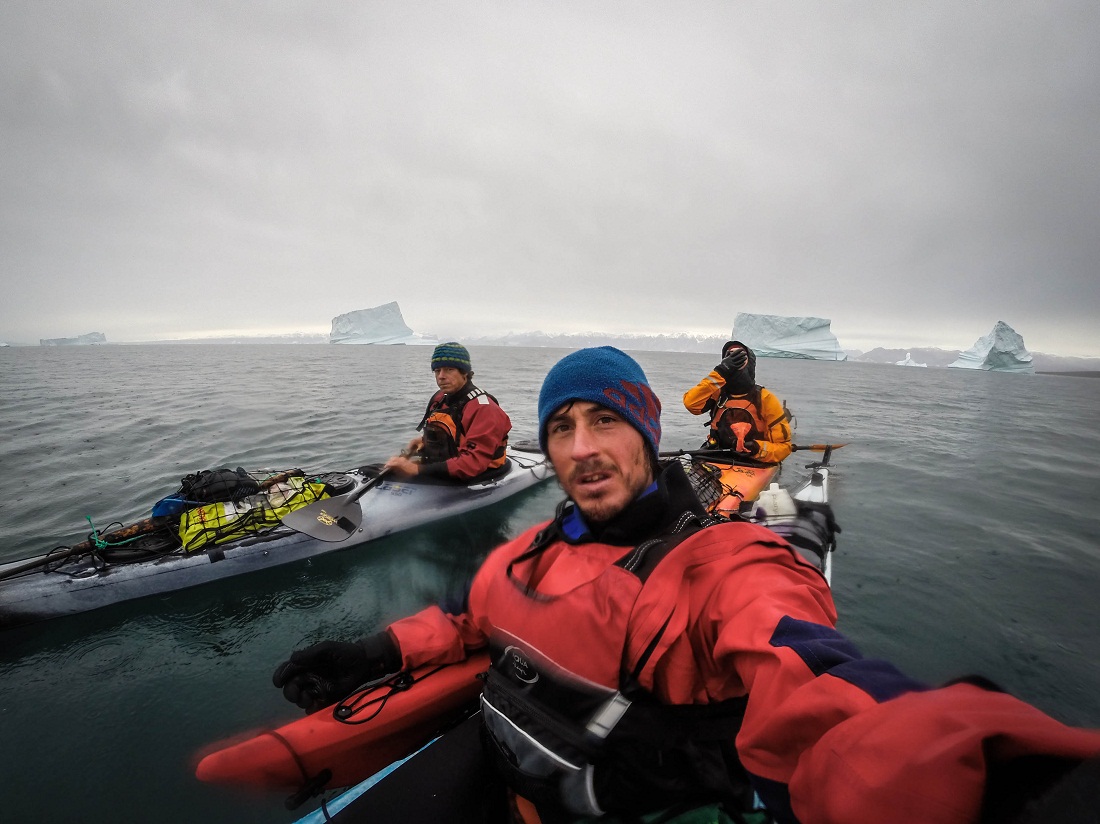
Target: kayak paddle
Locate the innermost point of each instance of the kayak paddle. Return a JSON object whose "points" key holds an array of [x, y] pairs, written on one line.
{"points": [[719, 455], [732, 456], [718, 452], [332, 519]]}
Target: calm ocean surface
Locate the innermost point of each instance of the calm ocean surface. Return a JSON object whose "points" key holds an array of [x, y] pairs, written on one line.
{"points": [[968, 502]]}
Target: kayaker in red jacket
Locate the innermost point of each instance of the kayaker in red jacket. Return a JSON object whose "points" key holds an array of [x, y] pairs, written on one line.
{"points": [[633, 640], [464, 430]]}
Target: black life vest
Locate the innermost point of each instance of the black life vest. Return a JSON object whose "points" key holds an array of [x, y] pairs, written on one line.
{"points": [[567, 742], [442, 431]]}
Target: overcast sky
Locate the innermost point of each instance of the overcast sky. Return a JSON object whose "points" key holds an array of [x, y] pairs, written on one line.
{"points": [[913, 171]]}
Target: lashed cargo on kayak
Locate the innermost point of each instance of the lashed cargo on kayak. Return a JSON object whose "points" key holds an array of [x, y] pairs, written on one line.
{"points": [[174, 551]]}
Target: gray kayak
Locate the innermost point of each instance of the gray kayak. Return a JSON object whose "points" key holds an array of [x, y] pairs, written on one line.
{"points": [[71, 581]]}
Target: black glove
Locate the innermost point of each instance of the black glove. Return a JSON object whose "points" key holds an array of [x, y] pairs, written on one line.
{"points": [[733, 363], [752, 447], [1035, 789], [317, 676]]}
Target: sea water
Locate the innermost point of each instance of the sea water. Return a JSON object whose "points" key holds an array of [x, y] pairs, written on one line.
{"points": [[967, 502]]}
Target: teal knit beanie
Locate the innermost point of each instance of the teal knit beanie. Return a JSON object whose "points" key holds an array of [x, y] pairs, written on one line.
{"points": [[606, 376], [452, 354]]}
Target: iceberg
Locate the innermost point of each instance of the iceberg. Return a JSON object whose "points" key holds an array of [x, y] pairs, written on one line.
{"points": [[775, 336], [378, 325], [1002, 350], [908, 361], [82, 340]]}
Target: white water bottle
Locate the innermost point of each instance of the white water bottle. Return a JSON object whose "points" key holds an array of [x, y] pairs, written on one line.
{"points": [[775, 502]]}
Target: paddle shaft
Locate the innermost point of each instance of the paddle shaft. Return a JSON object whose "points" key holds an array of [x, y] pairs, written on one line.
{"points": [[718, 453], [367, 486], [33, 563]]}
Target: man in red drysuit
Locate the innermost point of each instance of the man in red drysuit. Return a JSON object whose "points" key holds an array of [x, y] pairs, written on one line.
{"points": [[645, 657], [464, 432]]}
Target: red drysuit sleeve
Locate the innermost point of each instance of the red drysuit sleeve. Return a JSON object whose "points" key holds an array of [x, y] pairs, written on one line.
{"points": [[830, 736], [433, 636]]}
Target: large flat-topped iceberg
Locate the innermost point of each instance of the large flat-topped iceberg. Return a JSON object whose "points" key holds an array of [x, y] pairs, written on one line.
{"points": [[775, 336], [379, 325], [1002, 350], [81, 340]]}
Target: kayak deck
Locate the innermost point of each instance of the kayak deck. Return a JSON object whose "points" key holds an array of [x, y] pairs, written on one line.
{"points": [[356, 737], [750, 490]]}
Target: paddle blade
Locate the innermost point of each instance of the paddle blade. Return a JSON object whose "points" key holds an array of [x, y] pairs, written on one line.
{"points": [[332, 519]]}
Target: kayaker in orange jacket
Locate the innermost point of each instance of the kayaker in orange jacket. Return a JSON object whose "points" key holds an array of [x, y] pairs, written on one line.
{"points": [[647, 658], [744, 417]]}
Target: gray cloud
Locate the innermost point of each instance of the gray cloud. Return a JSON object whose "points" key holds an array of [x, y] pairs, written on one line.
{"points": [[913, 171]]}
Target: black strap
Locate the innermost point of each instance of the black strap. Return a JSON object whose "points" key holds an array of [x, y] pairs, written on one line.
{"points": [[786, 416], [756, 398], [646, 556], [453, 406]]}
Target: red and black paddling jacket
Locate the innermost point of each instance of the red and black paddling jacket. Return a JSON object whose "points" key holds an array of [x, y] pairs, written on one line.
{"points": [[729, 617], [465, 434]]}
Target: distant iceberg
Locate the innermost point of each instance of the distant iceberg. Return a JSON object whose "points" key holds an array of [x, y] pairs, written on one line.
{"points": [[775, 336], [908, 361], [1002, 350], [82, 340], [381, 325]]}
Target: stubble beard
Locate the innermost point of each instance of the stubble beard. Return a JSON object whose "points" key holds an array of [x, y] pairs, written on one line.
{"points": [[603, 508]]}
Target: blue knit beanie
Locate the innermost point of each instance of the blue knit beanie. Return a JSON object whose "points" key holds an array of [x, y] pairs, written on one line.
{"points": [[606, 376], [452, 354]]}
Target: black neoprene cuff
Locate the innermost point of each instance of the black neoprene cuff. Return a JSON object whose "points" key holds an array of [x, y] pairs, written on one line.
{"points": [[382, 648]]}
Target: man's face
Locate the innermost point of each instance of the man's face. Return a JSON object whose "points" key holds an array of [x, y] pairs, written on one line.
{"points": [[449, 379], [600, 459]]}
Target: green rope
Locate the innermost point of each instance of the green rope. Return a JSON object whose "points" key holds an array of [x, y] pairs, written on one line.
{"points": [[99, 542], [102, 544]]}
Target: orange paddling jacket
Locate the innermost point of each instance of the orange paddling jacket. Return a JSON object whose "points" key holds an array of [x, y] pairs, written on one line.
{"points": [[766, 417]]}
